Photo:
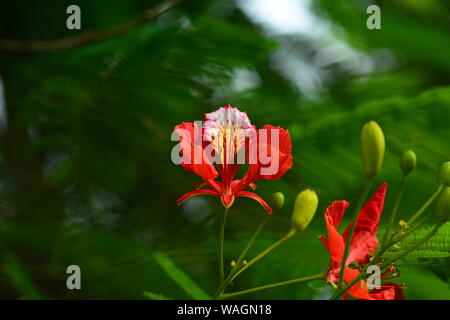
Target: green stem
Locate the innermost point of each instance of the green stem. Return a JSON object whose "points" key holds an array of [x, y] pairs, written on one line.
{"points": [[274, 285], [367, 184], [400, 235], [233, 275], [221, 240], [393, 213], [250, 242], [425, 205]]}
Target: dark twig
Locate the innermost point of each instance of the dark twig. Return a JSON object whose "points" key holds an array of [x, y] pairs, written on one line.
{"points": [[89, 37]]}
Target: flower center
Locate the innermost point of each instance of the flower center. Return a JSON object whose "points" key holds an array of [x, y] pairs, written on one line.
{"points": [[227, 129]]}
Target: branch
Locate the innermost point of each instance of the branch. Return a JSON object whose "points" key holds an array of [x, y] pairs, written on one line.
{"points": [[89, 37]]}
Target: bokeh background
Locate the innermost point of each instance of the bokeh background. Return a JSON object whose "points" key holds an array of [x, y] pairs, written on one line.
{"points": [[85, 170]]}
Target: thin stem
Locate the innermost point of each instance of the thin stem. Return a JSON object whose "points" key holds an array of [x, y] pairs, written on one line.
{"points": [[426, 204], [367, 184], [393, 213], [250, 242], [288, 236], [400, 235], [221, 240], [275, 285], [414, 247], [236, 273]]}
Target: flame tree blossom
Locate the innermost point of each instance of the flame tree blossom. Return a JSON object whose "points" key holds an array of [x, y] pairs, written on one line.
{"points": [[226, 141], [363, 246]]}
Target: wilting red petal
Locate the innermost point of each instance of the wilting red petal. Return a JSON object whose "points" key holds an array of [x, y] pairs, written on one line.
{"points": [[335, 212], [369, 217], [194, 193], [254, 196], [335, 242], [364, 240], [194, 157]]}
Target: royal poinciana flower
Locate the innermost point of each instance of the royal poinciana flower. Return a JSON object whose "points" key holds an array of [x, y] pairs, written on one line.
{"points": [[362, 248], [217, 147]]}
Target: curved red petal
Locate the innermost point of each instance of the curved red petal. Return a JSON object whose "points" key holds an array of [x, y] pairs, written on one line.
{"points": [[335, 242], [254, 196], [283, 152], [335, 212], [194, 158], [194, 193]]}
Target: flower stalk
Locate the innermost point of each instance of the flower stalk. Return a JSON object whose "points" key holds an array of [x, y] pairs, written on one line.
{"points": [[320, 276], [393, 213], [250, 243], [221, 244], [237, 272], [359, 205], [425, 205]]}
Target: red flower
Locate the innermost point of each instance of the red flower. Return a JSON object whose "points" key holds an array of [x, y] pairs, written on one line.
{"points": [[363, 246], [226, 140]]}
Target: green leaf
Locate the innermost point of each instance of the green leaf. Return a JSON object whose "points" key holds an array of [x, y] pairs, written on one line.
{"points": [[437, 247], [155, 296], [181, 278]]}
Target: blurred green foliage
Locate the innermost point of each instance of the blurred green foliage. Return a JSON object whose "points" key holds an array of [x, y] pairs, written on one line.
{"points": [[85, 170]]}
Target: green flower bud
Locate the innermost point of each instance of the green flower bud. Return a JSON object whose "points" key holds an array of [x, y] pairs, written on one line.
{"points": [[444, 174], [443, 206], [305, 207], [372, 148], [408, 162], [276, 201]]}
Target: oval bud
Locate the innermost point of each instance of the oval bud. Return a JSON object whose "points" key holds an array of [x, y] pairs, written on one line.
{"points": [[372, 148], [408, 162], [443, 206], [305, 207], [276, 201], [444, 174]]}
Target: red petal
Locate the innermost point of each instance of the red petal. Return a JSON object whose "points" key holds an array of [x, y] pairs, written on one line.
{"points": [[364, 240], [369, 217], [398, 290], [254, 196], [194, 193], [279, 156], [335, 242], [360, 289], [336, 211], [194, 157], [284, 151]]}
